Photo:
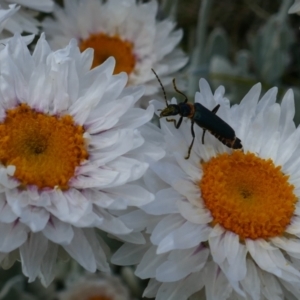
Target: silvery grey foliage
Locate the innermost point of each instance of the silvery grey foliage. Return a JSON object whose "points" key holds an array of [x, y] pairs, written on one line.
{"points": [[266, 60]]}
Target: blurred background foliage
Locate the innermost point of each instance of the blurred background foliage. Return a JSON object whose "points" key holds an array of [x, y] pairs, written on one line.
{"points": [[240, 43]]}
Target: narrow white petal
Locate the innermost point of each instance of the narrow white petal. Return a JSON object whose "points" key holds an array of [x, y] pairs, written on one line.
{"points": [[271, 261], [193, 213], [99, 253], [47, 270], [175, 270], [217, 286], [270, 287], [165, 227], [80, 250], [247, 109], [58, 232], [12, 236], [133, 195], [41, 50], [110, 223], [35, 218], [215, 243], [165, 202], [32, 253], [149, 263], [6, 213], [129, 254], [137, 220], [133, 237], [151, 289], [180, 290], [251, 283], [186, 236]]}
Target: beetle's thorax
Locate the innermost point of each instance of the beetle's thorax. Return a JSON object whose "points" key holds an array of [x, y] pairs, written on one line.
{"points": [[186, 109]]}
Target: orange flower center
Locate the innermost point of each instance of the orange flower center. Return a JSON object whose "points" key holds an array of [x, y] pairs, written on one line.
{"points": [[44, 149], [105, 46], [247, 195]]}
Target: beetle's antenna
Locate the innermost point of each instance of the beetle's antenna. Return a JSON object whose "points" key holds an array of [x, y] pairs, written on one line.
{"points": [[179, 92], [161, 86]]}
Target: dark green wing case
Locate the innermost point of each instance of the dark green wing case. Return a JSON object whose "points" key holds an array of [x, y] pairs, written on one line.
{"points": [[204, 118]]}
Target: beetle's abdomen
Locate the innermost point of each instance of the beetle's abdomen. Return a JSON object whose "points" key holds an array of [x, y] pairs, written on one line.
{"points": [[234, 143], [206, 119]]}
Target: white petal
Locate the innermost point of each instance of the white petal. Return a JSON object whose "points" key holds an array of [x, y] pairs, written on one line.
{"points": [[247, 109], [58, 232], [134, 195], [165, 227], [217, 286], [98, 252], [151, 289], [81, 251], [32, 253], [186, 236], [215, 243], [35, 218], [69, 206], [6, 213], [133, 237], [137, 220], [193, 213], [165, 202], [284, 153], [12, 236], [129, 254], [235, 266], [272, 261], [110, 223], [47, 269], [41, 50], [251, 283], [270, 287], [289, 245], [149, 263], [21, 55], [180, 290], [175, 270]]}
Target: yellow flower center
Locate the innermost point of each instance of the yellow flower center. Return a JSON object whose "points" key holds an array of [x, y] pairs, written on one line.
{"points": [[105, 46], [247, 195], [44, 149]]}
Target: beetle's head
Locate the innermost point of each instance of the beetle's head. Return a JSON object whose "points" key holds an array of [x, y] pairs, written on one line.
{"points": [[170, 110]]}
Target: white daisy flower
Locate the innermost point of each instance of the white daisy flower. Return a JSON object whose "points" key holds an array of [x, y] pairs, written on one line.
{"points": [[127, 30], [24, 20], [226, 220], [72, 148], [295, 8], [5, 16], [96, 287]]}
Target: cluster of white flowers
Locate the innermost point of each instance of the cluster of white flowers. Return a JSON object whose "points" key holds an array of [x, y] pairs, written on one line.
{"points": [[79, 159]]}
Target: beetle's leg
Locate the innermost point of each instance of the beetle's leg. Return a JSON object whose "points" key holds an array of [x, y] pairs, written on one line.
{"points": [[179, 123], [204, 130], [214, 111], [172, 120], [191, 145]]}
